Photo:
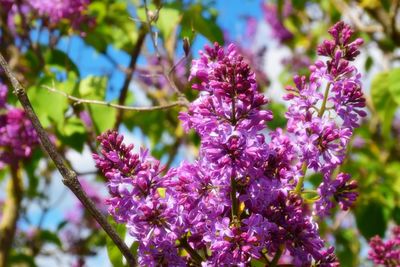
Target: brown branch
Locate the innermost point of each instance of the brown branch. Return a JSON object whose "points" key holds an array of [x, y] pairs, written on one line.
{"points": [[69, 177], [78, 101], [165, 73], [11, 211], [129, 73]]}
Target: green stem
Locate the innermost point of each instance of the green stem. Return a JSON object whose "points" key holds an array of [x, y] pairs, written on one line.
{"points": [[277, 256], [300, 183], [11, 210], [235, 206], [193, 253], [323, 105]]}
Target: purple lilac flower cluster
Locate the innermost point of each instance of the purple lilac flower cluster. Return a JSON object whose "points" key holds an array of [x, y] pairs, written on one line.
{"points": [[241, 200], [273, 18], [54, 10], [386, 253], [17, 135], [57, 10], [323, 121]]}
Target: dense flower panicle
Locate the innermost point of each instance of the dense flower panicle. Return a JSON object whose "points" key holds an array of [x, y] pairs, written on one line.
{"points": [[332, 90], [17, 135], [137, 197], [386, 253], [239, 200]]}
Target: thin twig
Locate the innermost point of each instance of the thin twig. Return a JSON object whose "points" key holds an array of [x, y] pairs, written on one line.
{"points": [[129, 74], [78, 101], [344, 8], [69, 177], [166, 73]]}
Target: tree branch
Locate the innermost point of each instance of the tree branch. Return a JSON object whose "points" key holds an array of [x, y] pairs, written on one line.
{"points": [[129, 73], [78, 101], [69, 176]]}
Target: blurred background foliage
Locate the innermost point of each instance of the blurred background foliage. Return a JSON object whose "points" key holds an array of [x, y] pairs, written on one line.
{"points": [[118, 58]]}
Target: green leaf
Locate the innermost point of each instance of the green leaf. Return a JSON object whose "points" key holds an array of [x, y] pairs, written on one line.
{"points": [[103, 117], [193, 20], [393, 80], [113, 27], [396, 214], [93, 87], [114, 254], [278, 110], [50, 107], [72, 133], [21, 259], [59, 59], [257, 263], [371, 218], [50, 237], [168, 19], [382, 88], [347, 247]]}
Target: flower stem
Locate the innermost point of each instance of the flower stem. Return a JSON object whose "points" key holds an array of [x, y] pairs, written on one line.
{"points": [[235, 206], [193, 253], [300, 182], [277, 256], [323, 105]]}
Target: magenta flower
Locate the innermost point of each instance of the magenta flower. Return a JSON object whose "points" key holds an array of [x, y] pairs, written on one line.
{"points": [[17, 135], [386, 253]]}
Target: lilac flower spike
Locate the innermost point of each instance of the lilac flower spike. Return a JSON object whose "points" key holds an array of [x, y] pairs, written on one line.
{"points": [[332, 90], [240, 200]]}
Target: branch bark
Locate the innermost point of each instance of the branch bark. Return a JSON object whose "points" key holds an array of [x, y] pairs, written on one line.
{"points": [[129, 72], [69, 177]]}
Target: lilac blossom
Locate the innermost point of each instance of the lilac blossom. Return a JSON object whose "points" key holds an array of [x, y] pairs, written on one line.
{"points": [[137, 199], [56, 10], [386, 253], [240, 199], [17, 135], [332, 91]]}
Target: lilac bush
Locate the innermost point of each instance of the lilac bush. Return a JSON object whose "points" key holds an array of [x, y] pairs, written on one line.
{"points": [[244, 198]]}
